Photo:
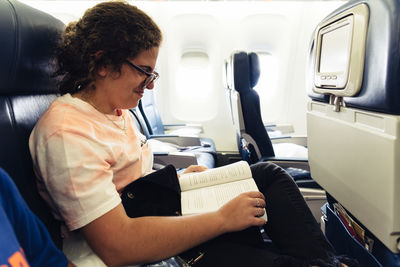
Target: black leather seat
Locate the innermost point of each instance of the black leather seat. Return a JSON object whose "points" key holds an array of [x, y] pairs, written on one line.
{"points": [[27, 37]]}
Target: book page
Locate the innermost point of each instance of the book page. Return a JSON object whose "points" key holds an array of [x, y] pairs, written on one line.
{"points": [[211, 198], [232, 172]]}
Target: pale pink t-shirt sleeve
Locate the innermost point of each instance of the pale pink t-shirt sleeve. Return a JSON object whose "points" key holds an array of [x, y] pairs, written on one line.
{"points": [[81, 184], [83, 159]]}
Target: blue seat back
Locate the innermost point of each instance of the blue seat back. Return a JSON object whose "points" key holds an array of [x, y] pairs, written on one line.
{"points": [[27, 39], [380, 87], [354, 149], [153, 119], [140, 121], [246, 72]]}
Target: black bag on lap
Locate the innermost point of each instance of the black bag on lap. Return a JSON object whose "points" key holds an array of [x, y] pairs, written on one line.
{"points": [[159, 194], [156, 194]]}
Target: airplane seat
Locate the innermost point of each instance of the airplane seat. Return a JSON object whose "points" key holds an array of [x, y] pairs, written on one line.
{"points": [[156, 127], [27, 37], [153, 117], [242, 74], [353, 139], [169, 152], [246, 72], [254, 142], [140, 122]]}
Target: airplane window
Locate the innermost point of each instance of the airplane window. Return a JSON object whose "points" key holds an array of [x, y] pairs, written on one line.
{"points": [[194, 81], [267, 87]]}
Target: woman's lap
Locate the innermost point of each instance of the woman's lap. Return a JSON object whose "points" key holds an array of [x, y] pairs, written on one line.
{"points": [[291, 225]]}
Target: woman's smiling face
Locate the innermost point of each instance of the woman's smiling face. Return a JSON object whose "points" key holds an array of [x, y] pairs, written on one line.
{"points": [[124, 89]]}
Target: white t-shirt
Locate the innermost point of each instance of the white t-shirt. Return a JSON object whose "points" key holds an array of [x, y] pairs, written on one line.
{"points": [[83, 159]]}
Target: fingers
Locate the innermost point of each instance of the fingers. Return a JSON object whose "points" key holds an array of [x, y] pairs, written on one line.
{"points": [[259, 221], [255, 194], [195, 168], [259, 212], [257, 216], [257, 204], [245, 210], [256, 199]]}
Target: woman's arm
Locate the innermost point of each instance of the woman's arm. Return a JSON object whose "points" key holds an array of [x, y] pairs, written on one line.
{"points": [[119, 240]]}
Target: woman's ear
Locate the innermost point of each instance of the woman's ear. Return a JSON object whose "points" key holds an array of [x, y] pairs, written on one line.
{"points": [[103, 70]]}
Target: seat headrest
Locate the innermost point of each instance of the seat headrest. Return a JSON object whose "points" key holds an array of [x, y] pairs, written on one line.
{"points": [[254, 69], [381, 77], [246, 71], [27, 40]]}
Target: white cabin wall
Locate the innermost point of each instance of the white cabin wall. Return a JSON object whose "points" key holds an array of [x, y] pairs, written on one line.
{"points": [[217, 28], [281, 28], [295, 69], [199, 29]]}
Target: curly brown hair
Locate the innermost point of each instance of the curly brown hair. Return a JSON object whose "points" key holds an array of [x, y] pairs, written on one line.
{"points": [[106, 35]]}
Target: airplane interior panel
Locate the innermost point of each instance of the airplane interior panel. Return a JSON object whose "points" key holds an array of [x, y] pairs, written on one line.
{"points": [[308, 85], [216, 29]]}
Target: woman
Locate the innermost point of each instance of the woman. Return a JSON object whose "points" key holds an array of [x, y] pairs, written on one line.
{"points": [[86, 149]]}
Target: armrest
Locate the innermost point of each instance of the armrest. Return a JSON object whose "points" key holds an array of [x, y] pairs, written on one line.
{"points": [[171, 125], [183, 129], [288, 159], [178, 159], [298, 140], [283, 128], [286, 162], [182, 141], [194, 125]]}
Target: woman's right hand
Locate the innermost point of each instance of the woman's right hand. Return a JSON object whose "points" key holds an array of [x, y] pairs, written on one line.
{"points": [[243, 211]]}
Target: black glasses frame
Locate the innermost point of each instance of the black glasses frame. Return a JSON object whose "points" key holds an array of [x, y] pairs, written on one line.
{"points": [[151, 76]]}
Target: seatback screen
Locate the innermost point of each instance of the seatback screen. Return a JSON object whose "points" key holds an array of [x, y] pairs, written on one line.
{"points": [[339, 52], [335, 50]]}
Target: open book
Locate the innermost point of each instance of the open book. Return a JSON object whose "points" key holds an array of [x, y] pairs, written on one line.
{"points": [[207, 191]]}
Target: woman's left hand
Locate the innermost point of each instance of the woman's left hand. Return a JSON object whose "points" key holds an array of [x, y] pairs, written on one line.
{"points": [[194, 168]]}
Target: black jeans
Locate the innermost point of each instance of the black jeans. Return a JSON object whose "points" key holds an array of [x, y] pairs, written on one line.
{"points": [[296, 235]]}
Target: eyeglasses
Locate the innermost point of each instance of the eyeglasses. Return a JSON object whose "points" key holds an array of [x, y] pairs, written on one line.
{"points": [[151, 76]]}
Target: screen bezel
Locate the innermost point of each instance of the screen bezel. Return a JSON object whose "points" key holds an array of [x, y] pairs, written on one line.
{"points": [[334, 79], [347, 82]]}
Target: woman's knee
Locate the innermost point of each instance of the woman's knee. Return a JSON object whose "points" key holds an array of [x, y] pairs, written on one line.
{"points": [[267, 169], [266, 173]]}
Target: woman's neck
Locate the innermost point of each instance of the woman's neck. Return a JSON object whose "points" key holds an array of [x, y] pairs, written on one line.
{"points": [[92, 99]]}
